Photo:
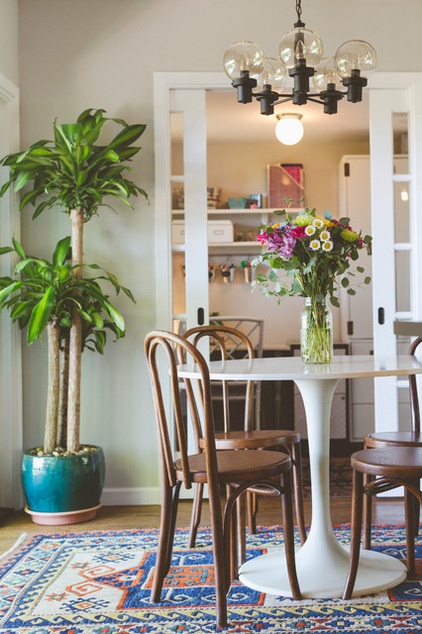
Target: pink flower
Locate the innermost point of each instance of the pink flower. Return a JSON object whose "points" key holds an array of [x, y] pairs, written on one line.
{"points": [[298, 232]]}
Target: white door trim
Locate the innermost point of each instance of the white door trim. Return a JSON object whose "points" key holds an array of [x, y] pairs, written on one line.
{"points": [[10, 336]]}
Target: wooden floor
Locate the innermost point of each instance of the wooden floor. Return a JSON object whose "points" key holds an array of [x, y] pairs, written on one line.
{"points": [[115, 517]]}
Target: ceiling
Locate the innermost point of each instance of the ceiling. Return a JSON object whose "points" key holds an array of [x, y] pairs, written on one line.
{"points": [[228, 120]]}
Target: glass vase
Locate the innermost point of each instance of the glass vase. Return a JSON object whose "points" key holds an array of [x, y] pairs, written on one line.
{"points": [[316, 332]]}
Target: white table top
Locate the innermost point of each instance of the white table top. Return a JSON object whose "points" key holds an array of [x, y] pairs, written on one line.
{"points": [[293, 368]]}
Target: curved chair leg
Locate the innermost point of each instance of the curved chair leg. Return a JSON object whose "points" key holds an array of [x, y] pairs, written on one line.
{"points": [[367, 515], [415, 514], [409, 505], [221, 561], [196, 514], [165, 546], [289, 542], [252, 509], [298, 491], [356, 528]]}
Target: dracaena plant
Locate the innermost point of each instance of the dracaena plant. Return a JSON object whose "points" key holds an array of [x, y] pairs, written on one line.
{"points": [[78, 175], [42, 296]]}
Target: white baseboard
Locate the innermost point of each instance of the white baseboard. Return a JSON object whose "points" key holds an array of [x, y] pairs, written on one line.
{"points": [[137, 496], [133, 496]]}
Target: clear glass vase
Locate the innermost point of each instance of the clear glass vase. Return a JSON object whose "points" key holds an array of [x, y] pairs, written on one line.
{"points": [[316, 332]]}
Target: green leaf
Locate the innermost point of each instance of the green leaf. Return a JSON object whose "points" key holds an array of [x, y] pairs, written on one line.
{"points": [[115, 315], [7, 291], [127, 136], [40, 315], [61, 251]]}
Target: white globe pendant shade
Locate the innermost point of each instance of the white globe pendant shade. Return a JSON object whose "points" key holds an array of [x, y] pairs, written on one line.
{"points": [[289, 128]]}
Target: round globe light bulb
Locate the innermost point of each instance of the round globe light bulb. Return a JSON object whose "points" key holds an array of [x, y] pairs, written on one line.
{"points": [[299, 44], [274, 73], [244, 55], [355, 55], [289, 129], [326, 73]]}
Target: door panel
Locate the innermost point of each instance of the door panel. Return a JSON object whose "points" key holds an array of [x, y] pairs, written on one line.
{"points": [[395, 243]]}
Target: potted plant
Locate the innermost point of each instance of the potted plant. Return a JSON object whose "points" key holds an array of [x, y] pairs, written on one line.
{"points": [[77, 175]]}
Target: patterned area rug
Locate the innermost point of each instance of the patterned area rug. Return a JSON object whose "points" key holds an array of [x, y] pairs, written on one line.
{"points": [[98, 582]]}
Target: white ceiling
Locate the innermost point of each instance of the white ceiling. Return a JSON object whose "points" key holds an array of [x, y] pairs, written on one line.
{"points": [[228, 120]]}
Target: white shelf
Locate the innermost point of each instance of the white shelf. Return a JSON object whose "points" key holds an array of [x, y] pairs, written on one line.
{"points": [[238, 212], [238, 246], [218, 247]]}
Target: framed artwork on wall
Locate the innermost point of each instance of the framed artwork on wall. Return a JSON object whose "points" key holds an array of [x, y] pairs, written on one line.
{"points": [[285, 184]]}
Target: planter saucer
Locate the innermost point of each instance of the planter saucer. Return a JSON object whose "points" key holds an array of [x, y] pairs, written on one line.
{"points": [[61, 519]]}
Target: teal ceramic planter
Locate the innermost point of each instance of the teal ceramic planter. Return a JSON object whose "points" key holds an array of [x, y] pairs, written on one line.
{"points": [[60, 484]]}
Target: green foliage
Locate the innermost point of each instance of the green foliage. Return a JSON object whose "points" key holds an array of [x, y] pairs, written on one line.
{"points": [[77, 174], [43, 292], [72, 171]]}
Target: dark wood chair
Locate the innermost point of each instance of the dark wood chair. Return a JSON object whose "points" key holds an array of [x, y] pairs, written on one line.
{"points": [[411, 438], [184, 409], [374, 471], [226, 342]]}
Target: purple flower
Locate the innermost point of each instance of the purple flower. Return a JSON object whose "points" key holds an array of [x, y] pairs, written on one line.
{"points": [[282, 242]]}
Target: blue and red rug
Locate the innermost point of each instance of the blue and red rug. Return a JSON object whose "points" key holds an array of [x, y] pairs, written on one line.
{"points": [[98, 582]]}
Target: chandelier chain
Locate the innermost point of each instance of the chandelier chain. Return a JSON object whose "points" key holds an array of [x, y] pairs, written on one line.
{"points": [[299, 13]]}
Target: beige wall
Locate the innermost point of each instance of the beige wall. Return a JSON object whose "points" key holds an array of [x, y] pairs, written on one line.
{"points": [[9, 39], [76, 54]]}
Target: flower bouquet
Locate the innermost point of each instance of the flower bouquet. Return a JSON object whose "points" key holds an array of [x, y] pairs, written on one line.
{"points": [[316, 253]]}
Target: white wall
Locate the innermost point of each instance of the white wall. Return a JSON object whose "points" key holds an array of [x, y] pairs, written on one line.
{"points": [[102, 53]]}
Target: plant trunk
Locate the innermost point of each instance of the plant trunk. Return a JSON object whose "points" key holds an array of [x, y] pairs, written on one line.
{"points": [[50, 434], [75, 340], [64, 389]]}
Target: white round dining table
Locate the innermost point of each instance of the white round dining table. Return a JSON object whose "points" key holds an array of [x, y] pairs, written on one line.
{"points": [[322, 562]]}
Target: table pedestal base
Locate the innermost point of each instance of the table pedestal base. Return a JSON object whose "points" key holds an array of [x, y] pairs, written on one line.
{"points": [[323, 579]]}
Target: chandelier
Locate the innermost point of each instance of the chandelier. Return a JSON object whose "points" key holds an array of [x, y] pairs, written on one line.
{"points": [[301, 57]]}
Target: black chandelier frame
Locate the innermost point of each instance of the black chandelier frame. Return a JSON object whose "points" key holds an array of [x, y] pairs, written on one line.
{"points": [[300, 95]]}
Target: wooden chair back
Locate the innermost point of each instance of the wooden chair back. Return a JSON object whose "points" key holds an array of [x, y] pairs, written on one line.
{"points": [[225, 343], [186, 411]]}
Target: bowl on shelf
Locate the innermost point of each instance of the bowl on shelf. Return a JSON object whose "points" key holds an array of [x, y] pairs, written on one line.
{"points": [[237, 203]]}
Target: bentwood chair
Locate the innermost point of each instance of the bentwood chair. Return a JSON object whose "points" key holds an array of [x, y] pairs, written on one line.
{"points": [[224, 342], [187, 411], [374, 471], [411, 438]]}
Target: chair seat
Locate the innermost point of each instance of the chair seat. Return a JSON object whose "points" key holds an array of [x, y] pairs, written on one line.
{"points": [[255, 439], [389, 463], [237, 466], [394, 438]]}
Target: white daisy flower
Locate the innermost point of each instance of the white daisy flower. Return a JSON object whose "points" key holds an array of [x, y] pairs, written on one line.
{"points": [[324, 236], [310, 230], [314, 245], [318, 223], [327, 245]]}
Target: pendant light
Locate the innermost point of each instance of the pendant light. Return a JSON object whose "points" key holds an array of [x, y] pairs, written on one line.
{"points": [[300, 57], [289, 128]]}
